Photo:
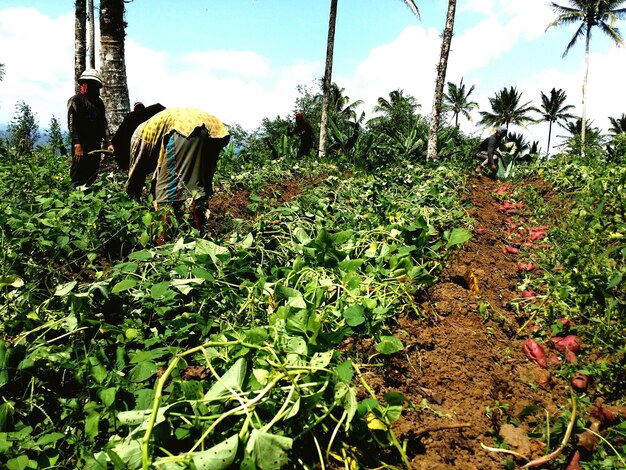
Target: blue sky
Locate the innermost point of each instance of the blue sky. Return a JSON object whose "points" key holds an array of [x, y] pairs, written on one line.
{"points": [[243, 59]]}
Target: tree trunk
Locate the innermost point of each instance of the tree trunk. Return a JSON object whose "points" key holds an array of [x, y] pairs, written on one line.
{"points": [[583, 124], [549, 138], [112, 62], [79, 41], [326, 83], [91, 27], [431, 153]]}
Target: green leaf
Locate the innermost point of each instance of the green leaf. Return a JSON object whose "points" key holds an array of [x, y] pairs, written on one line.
{"points": [[218, 457], [389, 345], [322, 359], [12, 281], [233, 378], [4, 373], [345, 371], [158, 290], [458, 237], [65, 289], [92, 422], [615, 281], [49, 438], [142, 371], [354, 315], [268, 451], [107, 395], [124, 285], [18, 463], [142, 255]]}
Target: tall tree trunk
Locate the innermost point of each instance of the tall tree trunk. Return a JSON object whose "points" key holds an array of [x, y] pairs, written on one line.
{"points": [[431, 153], [80, 18], [91, 27], [112, 62], [326, 83], [583, 124], [549, 138]]}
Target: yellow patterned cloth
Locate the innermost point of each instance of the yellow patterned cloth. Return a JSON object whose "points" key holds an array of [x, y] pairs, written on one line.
{"points": [[181, 120], [167, 145]]}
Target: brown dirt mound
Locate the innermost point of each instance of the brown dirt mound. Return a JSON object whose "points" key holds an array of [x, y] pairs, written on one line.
{"points": [[465, 372]]}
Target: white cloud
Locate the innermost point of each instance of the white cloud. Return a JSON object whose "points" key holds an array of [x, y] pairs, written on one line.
{"points": [[38, 72], [242, 86]]}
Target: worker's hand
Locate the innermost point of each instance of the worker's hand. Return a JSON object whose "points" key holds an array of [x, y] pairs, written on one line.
{"points": [[78, 151], [110, 148], [493, 167]]}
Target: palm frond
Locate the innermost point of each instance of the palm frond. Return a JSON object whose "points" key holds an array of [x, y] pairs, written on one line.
{"points": [[413, 7]]}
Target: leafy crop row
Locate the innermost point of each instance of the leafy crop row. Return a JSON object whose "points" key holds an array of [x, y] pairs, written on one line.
{"points": [[210, 352]]}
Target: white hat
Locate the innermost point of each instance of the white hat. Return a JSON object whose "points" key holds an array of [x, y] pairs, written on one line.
{"points": [[91, 74]]}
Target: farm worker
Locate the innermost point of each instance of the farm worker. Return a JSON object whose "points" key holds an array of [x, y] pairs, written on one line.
{"points": [[489, 146], [87, 125], [181, 147], [304, 130], [121, 139]]}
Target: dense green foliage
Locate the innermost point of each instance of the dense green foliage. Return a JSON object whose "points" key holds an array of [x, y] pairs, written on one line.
{"points": [[93, 313], [227, 350]]}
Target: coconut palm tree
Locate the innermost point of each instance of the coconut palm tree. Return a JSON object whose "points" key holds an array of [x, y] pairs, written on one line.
{"points": [[112, 62], [618, 125], [397, 106], [589, 13], [327, 80], [553, 109], [446, 42], [456, 100], [506, 109], [80, 40]]}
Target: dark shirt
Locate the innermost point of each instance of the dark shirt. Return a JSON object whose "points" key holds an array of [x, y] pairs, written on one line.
{"points": [[121, 139], [304, 130], [86, 121], [490, 145]]}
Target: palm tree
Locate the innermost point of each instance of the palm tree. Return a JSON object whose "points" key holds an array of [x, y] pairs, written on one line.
{"points": [[446, 42], [80, 40], [507, 109], [553, 109], [327, 80], [618, 125], [457, 101], [398, 105], [573, 141], [589, 13], [112, 62], [1, 71]]}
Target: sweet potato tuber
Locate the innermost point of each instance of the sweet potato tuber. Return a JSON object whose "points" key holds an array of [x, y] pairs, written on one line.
{"points": [[570, 342], [580, 381], [535, 352]]}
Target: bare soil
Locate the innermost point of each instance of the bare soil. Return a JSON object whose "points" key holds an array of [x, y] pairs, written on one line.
{"points": [[463, 367]]}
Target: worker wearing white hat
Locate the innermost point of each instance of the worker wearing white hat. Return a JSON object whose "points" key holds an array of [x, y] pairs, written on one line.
{"points": [[87, 125]]}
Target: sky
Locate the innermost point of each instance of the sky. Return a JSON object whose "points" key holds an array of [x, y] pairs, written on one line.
{"points": [[243, 60]]}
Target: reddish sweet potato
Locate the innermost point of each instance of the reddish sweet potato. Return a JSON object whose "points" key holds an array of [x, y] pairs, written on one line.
{"points": [[570, 356], [535, 352], [480, 230], [580, 381], [574, 463], [570, 342]]}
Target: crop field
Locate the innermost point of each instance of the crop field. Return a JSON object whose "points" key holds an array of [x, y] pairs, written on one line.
{"points": [[403, 315]]}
